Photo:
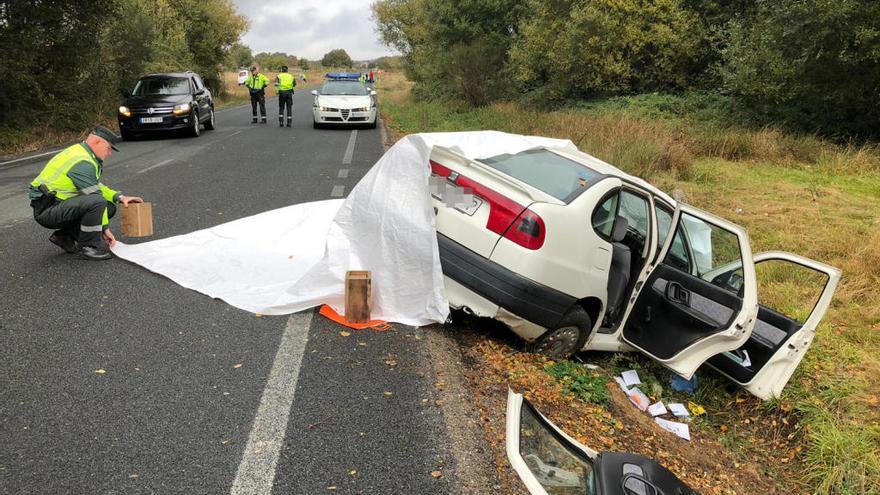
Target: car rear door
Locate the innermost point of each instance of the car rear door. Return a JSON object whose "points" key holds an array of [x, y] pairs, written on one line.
{"points": [[680, 319], [794, 293], [475, 205]]}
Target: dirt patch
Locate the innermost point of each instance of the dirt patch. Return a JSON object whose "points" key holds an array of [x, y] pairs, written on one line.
{"points": [[493, 363]]}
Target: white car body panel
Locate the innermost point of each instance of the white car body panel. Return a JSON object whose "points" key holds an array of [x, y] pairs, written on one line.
{"points": [[343, 108]]}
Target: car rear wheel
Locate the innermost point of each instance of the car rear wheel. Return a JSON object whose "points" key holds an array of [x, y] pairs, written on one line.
{"points": [[567, 338], [209, 125], [196, 128]]}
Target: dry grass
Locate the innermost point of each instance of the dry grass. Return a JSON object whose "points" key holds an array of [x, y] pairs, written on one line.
{"points": [[794, 193]]}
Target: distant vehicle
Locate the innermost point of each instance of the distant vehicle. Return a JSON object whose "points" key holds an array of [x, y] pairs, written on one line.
{"points": [[167, 102], [344, 100], [242, 76], [574, 254]]}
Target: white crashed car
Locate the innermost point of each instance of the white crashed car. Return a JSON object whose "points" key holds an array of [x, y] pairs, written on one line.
{"points": [[573, 254], [344, 102]]}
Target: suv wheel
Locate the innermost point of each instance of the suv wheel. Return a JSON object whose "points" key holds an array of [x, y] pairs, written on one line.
{"points": [[209, 125], [196, 128], [567, 338]]}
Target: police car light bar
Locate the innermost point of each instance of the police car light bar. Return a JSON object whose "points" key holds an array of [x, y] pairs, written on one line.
{"points": [[344, 76]]}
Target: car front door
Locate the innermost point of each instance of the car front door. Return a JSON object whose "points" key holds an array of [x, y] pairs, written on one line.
{"points": [[794, 293], [201, 97], [680, 319]]}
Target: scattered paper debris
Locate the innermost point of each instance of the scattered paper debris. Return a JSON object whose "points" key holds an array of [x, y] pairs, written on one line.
{"points": [[639, 398], [657, 409], [679, 410], [237, 366], [388, 394], [344, 333], [620, 382], [680, 429], [436, 474], [630, 378]]}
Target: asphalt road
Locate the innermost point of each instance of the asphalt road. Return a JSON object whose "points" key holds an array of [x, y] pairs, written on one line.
{"points": [[187, 380]]}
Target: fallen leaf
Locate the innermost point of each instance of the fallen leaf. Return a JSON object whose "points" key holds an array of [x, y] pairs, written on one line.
{"points": [[345, 334], [724, 428], [353, 472], [388, 394], [237, 366], [390, 361], [133, 476], [436, 474], [362, 344], [100, 371]]}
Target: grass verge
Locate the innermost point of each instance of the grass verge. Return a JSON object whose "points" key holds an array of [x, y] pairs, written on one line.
{"points": [[796, 193]]}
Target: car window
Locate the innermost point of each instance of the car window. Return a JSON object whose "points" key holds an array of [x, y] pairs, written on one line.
{"points": [[559, 470], [149, 86], [664, 223], [702, 246], [603, 216], [198, 82], [634, 209], [544, 170], [339, 88]]}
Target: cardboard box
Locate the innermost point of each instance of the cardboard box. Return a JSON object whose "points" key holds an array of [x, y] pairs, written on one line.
{"points": [[358, 296], [137, 219]]}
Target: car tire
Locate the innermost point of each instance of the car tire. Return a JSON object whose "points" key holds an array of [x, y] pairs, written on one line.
{"points": [[126, 135], [372, 125], [210, 125], [566, 338], [315, 125], [196, 128]]}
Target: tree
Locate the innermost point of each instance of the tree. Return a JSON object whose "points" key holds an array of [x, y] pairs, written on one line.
{"points": [[304, 63], [336, 58], [239, 56], [818, 59]]}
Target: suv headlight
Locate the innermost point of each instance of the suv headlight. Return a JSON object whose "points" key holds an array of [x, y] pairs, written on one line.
{"points": [[123, 110], [182, 108]]}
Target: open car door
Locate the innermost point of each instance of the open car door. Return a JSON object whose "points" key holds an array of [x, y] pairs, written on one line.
{"points": [[549, 462], [794, 293], [678, 317]]}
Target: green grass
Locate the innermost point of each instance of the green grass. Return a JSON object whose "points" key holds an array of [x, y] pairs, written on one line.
{"points": [[588, 386]]}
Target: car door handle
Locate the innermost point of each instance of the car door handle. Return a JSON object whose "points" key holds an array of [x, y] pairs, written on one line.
{"points": [[677, 294]]}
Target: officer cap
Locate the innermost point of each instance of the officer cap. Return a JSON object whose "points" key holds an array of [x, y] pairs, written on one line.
{"points": [[283, 68], [107, 135], [253, 67]]}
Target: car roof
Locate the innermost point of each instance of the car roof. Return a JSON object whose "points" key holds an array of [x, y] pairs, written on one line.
{"points": [[170, 74]]}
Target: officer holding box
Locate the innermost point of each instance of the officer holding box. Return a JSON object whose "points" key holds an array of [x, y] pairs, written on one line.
{"points": [[68, 196]]}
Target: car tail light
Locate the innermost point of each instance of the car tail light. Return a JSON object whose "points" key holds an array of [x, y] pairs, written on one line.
{"points": [[506, 217]]}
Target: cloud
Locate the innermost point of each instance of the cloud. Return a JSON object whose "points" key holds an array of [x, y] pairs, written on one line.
{"points": [[311, 28]]}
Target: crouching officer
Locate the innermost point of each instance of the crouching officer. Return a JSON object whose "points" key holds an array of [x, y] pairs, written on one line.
{"points": [[257, 83], [284, 84], [68, 196]]}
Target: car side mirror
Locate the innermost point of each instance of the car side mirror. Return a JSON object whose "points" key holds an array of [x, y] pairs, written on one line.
{"points": [[200, 92], [372, 93], [314, 92]]}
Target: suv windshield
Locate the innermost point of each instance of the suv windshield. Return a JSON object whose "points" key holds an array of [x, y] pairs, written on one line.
{"points": [[150, 86], [545, 171], [352, 88]]}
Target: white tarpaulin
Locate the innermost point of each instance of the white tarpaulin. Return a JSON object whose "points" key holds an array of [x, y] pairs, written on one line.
{"points": [[294, 258]]}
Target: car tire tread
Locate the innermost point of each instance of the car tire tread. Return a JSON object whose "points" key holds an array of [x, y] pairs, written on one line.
{"points": [[575, 317]]}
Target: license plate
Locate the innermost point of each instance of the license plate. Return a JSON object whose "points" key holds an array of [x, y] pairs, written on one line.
{"points": [[452, 196], [151, 120], [472, 208]]}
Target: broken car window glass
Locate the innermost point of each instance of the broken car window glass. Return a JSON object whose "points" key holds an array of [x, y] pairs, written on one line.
{"points": [[544, 170], [557, 468]]}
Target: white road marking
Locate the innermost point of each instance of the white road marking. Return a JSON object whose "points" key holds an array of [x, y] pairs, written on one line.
{"points": [[349, 151], [337, 191], [256, 473], [30, 157], [234, 133], [343, 174], [151, 167]]}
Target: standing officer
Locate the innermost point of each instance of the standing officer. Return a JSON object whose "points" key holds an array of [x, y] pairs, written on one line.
{"points": [[257, 83], [68, 196], [284, 84]]}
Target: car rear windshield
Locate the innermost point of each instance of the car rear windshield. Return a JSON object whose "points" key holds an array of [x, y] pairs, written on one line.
{"points": [[546, 171], [161, 86], [336, 88]]}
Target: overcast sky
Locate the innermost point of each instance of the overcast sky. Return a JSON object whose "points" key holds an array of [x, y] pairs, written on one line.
{"points": [[311, 28]]}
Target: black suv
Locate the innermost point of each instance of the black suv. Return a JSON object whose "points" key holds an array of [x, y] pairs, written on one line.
{"points": [[163, 102]]}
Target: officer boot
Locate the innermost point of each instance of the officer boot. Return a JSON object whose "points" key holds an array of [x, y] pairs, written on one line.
{"points": [[289, 121], [264, 119], [255, 120], [280, 121]]}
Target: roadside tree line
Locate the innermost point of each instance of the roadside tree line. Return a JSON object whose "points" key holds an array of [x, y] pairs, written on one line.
{"points": [[811, 63], [66, 62]]}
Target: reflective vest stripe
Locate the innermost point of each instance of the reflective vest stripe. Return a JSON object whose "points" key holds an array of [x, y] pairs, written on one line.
{"points": [[54, 174]]}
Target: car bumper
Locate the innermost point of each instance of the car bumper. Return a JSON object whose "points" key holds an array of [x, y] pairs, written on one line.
{"points": [[344, 116], [526, 298], [169, 123]]}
